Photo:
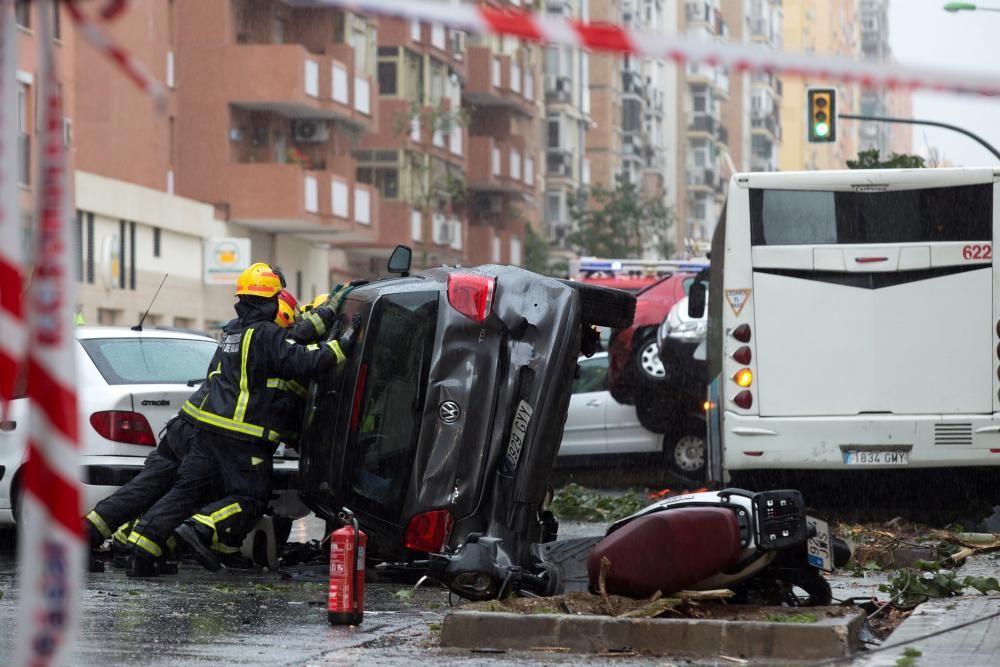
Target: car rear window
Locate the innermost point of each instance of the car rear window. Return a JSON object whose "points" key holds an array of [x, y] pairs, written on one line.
{"points": [[150, 360], [396, 363], [809, 217]]}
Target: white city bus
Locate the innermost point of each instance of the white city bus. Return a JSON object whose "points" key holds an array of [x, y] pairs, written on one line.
{"points": [[854, 321]]}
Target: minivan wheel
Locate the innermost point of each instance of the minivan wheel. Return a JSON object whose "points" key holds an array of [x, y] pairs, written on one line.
{"points": [[647, 360], [685, 450]]}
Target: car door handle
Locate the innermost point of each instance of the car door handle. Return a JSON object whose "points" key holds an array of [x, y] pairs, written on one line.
{"points": [[594, 403], [8, 425]]}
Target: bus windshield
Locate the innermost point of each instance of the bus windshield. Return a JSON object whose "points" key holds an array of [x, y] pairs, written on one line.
{"points": [[810, 217]]}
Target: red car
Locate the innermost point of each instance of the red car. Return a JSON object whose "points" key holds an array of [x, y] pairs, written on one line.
{"points": [[634, 353]]}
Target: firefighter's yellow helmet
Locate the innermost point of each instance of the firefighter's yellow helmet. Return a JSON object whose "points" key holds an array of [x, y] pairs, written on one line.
{"points": [[315, 303], [258, 280], [286, 309]]}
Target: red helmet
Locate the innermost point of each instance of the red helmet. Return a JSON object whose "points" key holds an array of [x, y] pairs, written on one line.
{"points": [[286, 309]]}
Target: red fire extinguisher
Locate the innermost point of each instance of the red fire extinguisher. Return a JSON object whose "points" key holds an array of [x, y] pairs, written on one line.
{"points": [[346, 597]]}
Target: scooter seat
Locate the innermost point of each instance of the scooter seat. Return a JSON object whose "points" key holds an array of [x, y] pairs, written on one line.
{"points": [[666, 551]]}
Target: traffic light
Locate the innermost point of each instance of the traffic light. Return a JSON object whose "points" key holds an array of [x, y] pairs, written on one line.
{"points": [[822, 106]]}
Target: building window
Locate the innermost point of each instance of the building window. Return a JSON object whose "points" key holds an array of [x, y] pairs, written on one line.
{"points": [[57, 21], [553, 133], [387, 73], [22, 13], [90, 249], [156, 241], [78, 246], [107, 317]]}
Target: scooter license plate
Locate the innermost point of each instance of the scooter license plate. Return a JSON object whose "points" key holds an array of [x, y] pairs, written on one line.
{"points": [[819, 547]]}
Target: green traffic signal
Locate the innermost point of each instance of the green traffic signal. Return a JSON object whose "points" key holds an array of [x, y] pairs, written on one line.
{"points": [[821, 107]]}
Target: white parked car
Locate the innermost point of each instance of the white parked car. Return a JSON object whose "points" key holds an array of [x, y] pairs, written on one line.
{"points": [[129, 384], [598, 424]]}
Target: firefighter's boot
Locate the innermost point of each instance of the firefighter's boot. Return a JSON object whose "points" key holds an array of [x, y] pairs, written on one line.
{"points": [[140, 565], [198, 538]]}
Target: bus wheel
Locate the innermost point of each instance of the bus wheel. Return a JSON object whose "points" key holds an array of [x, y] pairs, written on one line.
{"points": [[685, 450]]}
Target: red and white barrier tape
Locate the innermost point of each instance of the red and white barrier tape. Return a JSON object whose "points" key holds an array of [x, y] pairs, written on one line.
{"points": [[12, 334], [97, 38], [51, 540], [537, 27]]}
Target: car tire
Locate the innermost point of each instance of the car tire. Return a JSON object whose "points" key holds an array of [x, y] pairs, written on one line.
{"points": [[603, 306], [648, 365], [686, 449]]}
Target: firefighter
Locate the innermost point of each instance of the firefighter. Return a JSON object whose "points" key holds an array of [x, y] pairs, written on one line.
{"points": [[236, 431], [160, 469]]}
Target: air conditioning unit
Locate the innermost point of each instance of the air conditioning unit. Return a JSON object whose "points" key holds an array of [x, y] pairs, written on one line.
{"points": [[311, 131]]}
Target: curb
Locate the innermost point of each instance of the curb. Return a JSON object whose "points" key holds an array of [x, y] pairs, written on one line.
{"points": [[826, 638]]}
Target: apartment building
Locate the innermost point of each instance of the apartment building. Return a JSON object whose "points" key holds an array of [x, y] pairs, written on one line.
{"points": [[265, 103], [765, 28], [630, 106], [28, 117], [505, 107], [874, 17], [704, 120], [826, 27], [567, 123]]}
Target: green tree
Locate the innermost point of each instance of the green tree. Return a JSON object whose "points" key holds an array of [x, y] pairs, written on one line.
{"points": [[536, 252], [622, 224], [869, 159]]}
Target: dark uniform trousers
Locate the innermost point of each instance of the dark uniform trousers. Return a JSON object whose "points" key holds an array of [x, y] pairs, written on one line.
{"points": [[244, 467], [143, 490]]}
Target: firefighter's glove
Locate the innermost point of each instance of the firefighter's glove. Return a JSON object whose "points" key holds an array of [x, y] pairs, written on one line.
{"points": [[346, 339]]}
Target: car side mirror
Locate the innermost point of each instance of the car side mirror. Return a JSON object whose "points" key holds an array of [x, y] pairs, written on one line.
{"points": [[696, 301], [399, 260]]}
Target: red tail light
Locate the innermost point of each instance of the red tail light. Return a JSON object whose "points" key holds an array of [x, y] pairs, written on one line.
{"points": [[428, 531], [743, 355], [744, 399], [123, 426], [742, 333], [471, 295]]}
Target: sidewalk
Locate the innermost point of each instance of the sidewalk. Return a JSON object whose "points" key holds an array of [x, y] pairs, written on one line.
{"points": [[972, 646]]}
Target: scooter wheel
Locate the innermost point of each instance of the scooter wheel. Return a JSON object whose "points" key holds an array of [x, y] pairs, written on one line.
{"points": [[818, 593]]}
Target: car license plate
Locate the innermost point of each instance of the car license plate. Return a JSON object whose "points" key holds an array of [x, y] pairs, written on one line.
{"points": [[819, 547], [876, 457], [517, 431]]}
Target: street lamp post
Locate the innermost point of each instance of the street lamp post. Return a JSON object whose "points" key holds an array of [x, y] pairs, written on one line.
{"points": [[955, 7]]}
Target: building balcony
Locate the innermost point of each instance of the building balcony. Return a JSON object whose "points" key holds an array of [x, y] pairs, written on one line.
{"points": [[289, 80], [704, 74], [765, 31], [500, 165], [703, 126], [632, 85], [769, 81], [558, 90], [700, 179], [290, 198], [766, 126], [496, 80], [705, 14], [443, 44], [559, 163]]}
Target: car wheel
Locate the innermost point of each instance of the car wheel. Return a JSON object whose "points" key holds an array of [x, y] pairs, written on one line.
{"points": [[647, 360], [603, 306], [686, 451]]}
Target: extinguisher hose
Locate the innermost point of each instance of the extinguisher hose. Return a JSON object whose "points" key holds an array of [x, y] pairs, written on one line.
{"points": [[357, 530]]}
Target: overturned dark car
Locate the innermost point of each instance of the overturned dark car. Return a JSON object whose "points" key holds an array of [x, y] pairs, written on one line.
{"points": [[446, 419]]}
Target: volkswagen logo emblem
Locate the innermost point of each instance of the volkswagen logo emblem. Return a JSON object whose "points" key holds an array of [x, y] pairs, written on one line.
{"points": [[449, 412]]}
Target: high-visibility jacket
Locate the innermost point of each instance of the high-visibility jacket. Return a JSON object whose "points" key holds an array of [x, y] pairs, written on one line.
{"points": [[253, 357]]}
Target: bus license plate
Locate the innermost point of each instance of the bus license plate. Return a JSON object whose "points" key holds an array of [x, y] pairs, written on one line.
{"points": [[876, 457]]}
